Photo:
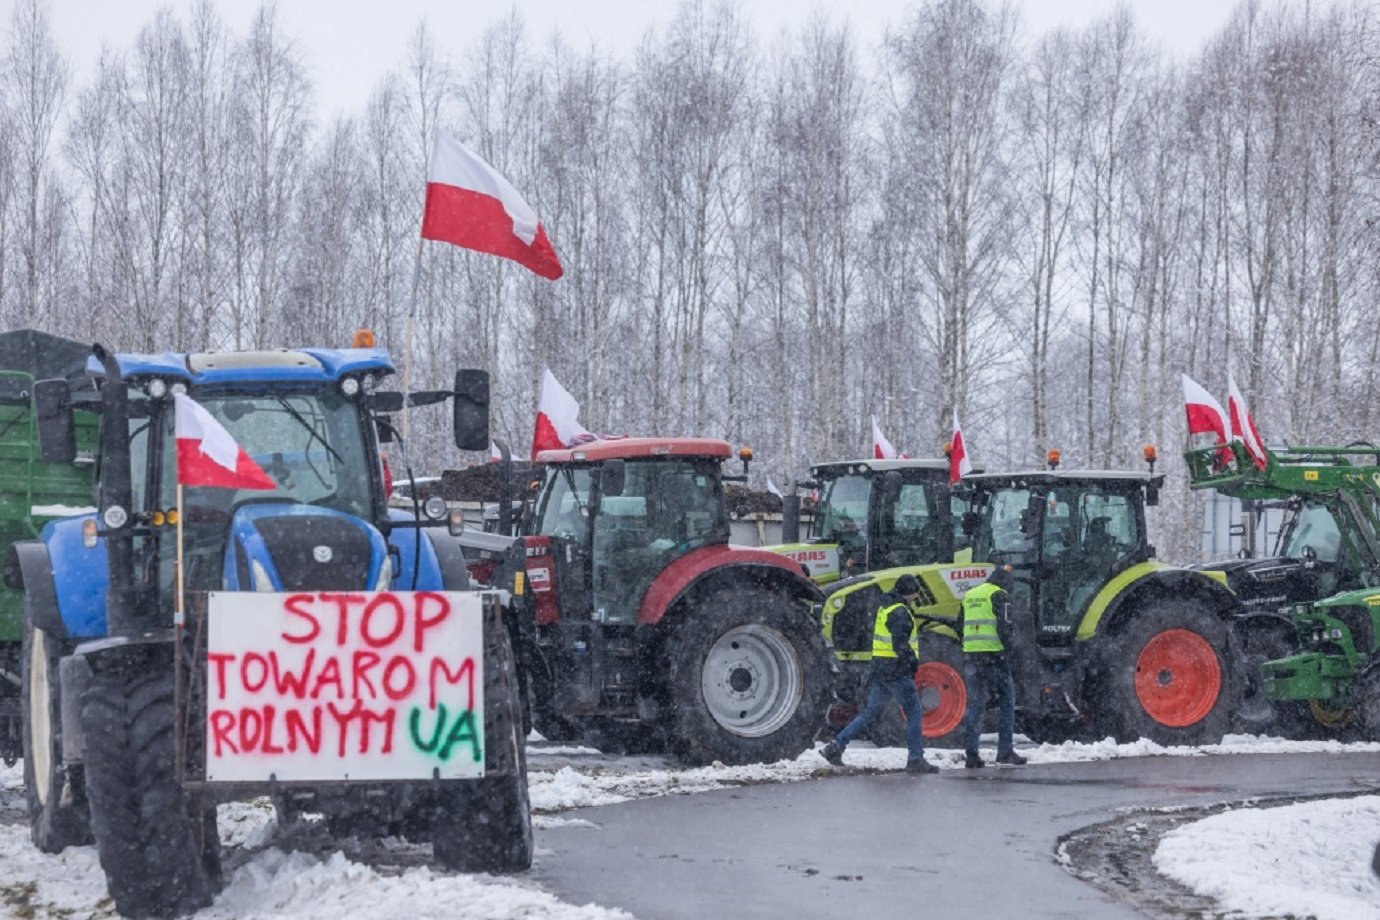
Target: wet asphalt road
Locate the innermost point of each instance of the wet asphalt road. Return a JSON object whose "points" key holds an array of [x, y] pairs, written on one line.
{"points": [[956, 844]]}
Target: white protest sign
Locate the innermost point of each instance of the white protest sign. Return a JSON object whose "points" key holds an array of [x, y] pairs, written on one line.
{"points": [[344, 685]]}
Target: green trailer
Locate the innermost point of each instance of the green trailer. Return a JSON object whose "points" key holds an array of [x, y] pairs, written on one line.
{"points": [[32, 491]]}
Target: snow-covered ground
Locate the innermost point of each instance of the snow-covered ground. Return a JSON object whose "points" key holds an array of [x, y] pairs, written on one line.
{"points": [[1306, 859]]}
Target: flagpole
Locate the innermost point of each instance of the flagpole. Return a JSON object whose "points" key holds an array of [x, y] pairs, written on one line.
{"points": [[179, 620], [407, 354]]}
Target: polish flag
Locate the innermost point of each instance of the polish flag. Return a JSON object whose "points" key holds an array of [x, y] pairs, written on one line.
{"points": [[470, 205], [558, 415], [959, 464], [881, 447], [1207, 423], [495, 455], [1243, 426], [208, 455]]}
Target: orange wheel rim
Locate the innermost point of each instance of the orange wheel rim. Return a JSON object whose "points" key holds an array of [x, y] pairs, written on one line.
{"points": [[944, 697], [1178, 679]]}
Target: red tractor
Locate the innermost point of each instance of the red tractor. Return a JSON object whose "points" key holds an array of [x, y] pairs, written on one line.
{"points": [[649, 631]]}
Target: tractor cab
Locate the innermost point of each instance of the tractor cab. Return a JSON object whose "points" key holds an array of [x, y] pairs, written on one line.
{"points": [[1065, 535], [875, 514], [617, 514]]}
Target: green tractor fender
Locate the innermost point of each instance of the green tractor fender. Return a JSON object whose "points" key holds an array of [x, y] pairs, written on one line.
{"points": [[1144, 581], [849, 611]]}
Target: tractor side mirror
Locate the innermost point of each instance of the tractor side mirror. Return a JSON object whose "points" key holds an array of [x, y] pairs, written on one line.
{"points": [[57, 431], [612, 476], [1152, 494], [1030, 517], [1310, 558], [472, 409], [891, 486]]}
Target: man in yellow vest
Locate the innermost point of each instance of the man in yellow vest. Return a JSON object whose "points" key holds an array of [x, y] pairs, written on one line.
{"points": [[891, 676], [985, 625]]}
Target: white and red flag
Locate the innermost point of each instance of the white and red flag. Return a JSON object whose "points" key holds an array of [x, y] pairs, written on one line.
{"points": [[959, 464], [1207, 423], [881, 447], [469, 204], [495, 455], [1243, 426], [558, 415], [208, 455]]}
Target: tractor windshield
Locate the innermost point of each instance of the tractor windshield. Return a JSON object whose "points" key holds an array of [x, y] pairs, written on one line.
{"points": [[562, 508], [841, 515], [1311, 526], [311, 444]]}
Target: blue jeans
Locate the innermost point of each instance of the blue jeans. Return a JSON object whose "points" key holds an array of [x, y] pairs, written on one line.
{"points": [[989, 677], [898, 691]]}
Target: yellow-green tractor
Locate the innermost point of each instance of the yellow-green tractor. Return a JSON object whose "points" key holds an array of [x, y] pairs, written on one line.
{"points": [[1108, 641], [873, 514]]}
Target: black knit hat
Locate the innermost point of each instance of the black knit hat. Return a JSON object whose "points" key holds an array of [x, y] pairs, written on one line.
{"points": [[907, 584]]}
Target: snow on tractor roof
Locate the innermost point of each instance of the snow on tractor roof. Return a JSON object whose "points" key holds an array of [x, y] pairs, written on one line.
{"points": [[1066, 476], [630, 448]]}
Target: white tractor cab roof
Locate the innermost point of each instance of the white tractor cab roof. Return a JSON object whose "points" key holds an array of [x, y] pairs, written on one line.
{"points": [[1137, 476], [844, 467]]}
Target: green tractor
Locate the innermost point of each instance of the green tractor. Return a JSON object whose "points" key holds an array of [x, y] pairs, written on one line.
{"points": [[1313, 608], [873, 514], [1110, 642]]}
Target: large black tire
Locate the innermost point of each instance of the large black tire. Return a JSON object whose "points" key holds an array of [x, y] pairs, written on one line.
{"points": [[943, 697], [1256, 640], [748, 676], [1365, 698], [1166, 675], [58, 816], [485, 825], [153, 840]]}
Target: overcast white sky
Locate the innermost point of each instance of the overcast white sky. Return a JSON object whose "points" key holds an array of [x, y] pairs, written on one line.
{"points": [[348, 44]]}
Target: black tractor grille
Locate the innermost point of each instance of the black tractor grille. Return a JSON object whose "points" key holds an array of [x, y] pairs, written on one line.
{"points": [[317, 553]]}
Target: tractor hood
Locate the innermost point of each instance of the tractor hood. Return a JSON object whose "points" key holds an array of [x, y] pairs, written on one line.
{"points": [[285, 546], [1265, 585]]}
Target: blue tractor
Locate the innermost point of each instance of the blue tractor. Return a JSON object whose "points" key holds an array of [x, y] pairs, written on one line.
{"points": [[115, 683]]}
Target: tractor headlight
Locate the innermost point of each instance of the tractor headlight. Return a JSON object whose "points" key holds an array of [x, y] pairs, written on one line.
{"points": [[115, 517], [371, 383], [435, 508], [157, 388], [259, 576], [349, 386], [836, 603], [385, 582]]}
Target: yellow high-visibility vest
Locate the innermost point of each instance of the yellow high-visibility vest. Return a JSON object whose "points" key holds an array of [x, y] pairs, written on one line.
{"points": [[881, 636], [980, 621]]}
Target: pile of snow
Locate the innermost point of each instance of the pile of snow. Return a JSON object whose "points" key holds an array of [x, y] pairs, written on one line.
{"points": [[274, 883], [1311, 859]]}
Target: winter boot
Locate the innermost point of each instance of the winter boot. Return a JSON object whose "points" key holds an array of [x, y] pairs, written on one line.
{"points": [[971, 761], [920, 766], [832, 753], [1011, 758]]}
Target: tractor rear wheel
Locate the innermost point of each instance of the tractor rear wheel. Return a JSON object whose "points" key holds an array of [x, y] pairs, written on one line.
{"points": [[58, 816], [943, 698], [1256, 641], [157, 846], [485, 825], [1166, 675], [1365, 697], [749, 677]]}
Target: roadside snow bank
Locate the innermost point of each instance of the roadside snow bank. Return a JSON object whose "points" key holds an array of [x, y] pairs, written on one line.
{"points": [[1311, 859]]}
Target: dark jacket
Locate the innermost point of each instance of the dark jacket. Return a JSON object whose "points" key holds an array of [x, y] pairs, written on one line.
{"points": [[899, 623]]}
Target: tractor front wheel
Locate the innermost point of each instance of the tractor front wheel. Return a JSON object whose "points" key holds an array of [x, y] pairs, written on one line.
{"points": [[1256, 641], [1166, 675], [485, 825], [57, 802], [749, 678], [157, 846]]}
